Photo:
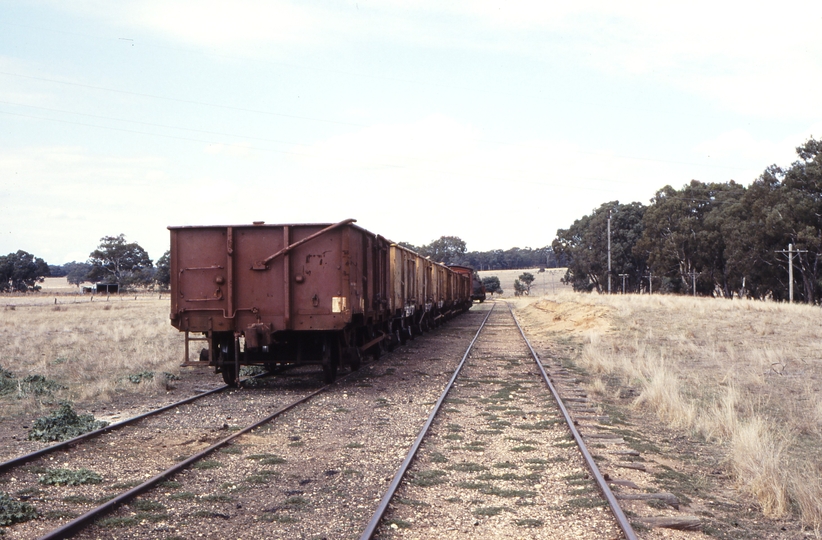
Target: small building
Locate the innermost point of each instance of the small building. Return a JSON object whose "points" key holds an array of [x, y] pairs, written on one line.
{"points": [[107, 288]]}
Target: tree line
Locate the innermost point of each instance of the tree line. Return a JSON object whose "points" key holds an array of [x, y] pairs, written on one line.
{"points": [[115, 261], [452, 250], [714, 239]]}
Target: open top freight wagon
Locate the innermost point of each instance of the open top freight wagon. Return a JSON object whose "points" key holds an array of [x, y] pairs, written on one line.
{"points": [[324, 294]]}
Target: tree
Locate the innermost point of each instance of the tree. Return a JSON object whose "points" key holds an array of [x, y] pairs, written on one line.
{"points": [[519, 288], [163, 275], [584, 247], [526, 278], [118, 260], [446, 250], [77, 272], [21, 271], [683, 238], [492, 285], [56, 270]]}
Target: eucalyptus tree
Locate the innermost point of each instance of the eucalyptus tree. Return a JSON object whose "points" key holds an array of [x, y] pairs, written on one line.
{"points": [[584, 245]]}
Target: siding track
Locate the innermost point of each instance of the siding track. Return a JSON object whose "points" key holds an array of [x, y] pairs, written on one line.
{"points": [[502, 458]]}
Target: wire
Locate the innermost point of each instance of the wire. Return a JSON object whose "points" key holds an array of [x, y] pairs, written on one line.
{"points": [[338, 122], [385, 165], [178, 100]]}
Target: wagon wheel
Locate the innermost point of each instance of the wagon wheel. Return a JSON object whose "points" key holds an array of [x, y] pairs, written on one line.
{"points": [[391, 340], [369, 334], [385, 344], [354, 358], [229, 374], [226, 363], [329, 360]]}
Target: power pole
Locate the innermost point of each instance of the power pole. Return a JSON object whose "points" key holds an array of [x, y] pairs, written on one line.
{"points": [[790, 253], [609, 252], [650, 283], [623, 276], [693, 280]]}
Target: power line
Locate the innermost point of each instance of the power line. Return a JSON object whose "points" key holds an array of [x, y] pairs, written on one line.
{"points": [[355, 124], [179, 100], [372, 164]]}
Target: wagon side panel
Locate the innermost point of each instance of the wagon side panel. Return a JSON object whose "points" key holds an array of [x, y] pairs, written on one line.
{"points": [[201, 279]]}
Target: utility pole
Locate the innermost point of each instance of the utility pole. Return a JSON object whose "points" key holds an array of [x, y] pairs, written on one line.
{"points": [[609, 252], [650, 283], [693, 280], [790, 253], [623, 276]]}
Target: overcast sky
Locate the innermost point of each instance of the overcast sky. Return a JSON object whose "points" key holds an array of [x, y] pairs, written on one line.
{"points": [[498, 122]]}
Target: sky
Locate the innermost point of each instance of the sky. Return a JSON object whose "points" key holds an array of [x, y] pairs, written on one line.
{"points": [[497, 122]]}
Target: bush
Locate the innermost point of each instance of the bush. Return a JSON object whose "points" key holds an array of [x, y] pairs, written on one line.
{"points": [[12, 511], [36, 385], [63, 424]]}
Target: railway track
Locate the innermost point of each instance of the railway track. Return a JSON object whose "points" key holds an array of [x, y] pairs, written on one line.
{"points": [[500, 459], [134, 462], [129, 454], [499, 455]]}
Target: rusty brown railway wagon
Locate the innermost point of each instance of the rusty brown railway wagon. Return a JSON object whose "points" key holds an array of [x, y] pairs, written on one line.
{"points": [[477, 288], [282, 294]]}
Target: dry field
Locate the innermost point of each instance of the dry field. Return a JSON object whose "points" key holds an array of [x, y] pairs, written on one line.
{"points": [[741, 375], [87, 349], [547, 282]]}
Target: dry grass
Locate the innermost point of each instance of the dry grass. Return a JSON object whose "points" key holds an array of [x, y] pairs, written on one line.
{"points": [[89, 347], [547, 282], [742, 374]]}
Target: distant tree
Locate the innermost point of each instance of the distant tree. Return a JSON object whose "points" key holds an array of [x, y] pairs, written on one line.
{"points": [[527, 278], [446, 250], [513, 258], [519, 288], [163, 274], [21, 271], [118, 260], [77, 272], [56, 270], [408, 245], [492, 285]]}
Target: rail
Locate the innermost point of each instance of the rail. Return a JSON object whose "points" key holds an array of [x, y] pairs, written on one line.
{"points": [[371, 528], [619, 515]]}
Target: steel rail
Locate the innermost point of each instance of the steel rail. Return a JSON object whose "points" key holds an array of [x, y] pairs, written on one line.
{"points": [[371, 528], [78, 523], [10, 464], [622, 521]]}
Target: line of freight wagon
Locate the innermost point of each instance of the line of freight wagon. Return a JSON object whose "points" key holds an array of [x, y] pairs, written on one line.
{"points": [[327, 294]]}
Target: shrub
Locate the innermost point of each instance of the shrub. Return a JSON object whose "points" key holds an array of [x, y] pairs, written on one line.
{"points": [[12, 511], [63, 424]]}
